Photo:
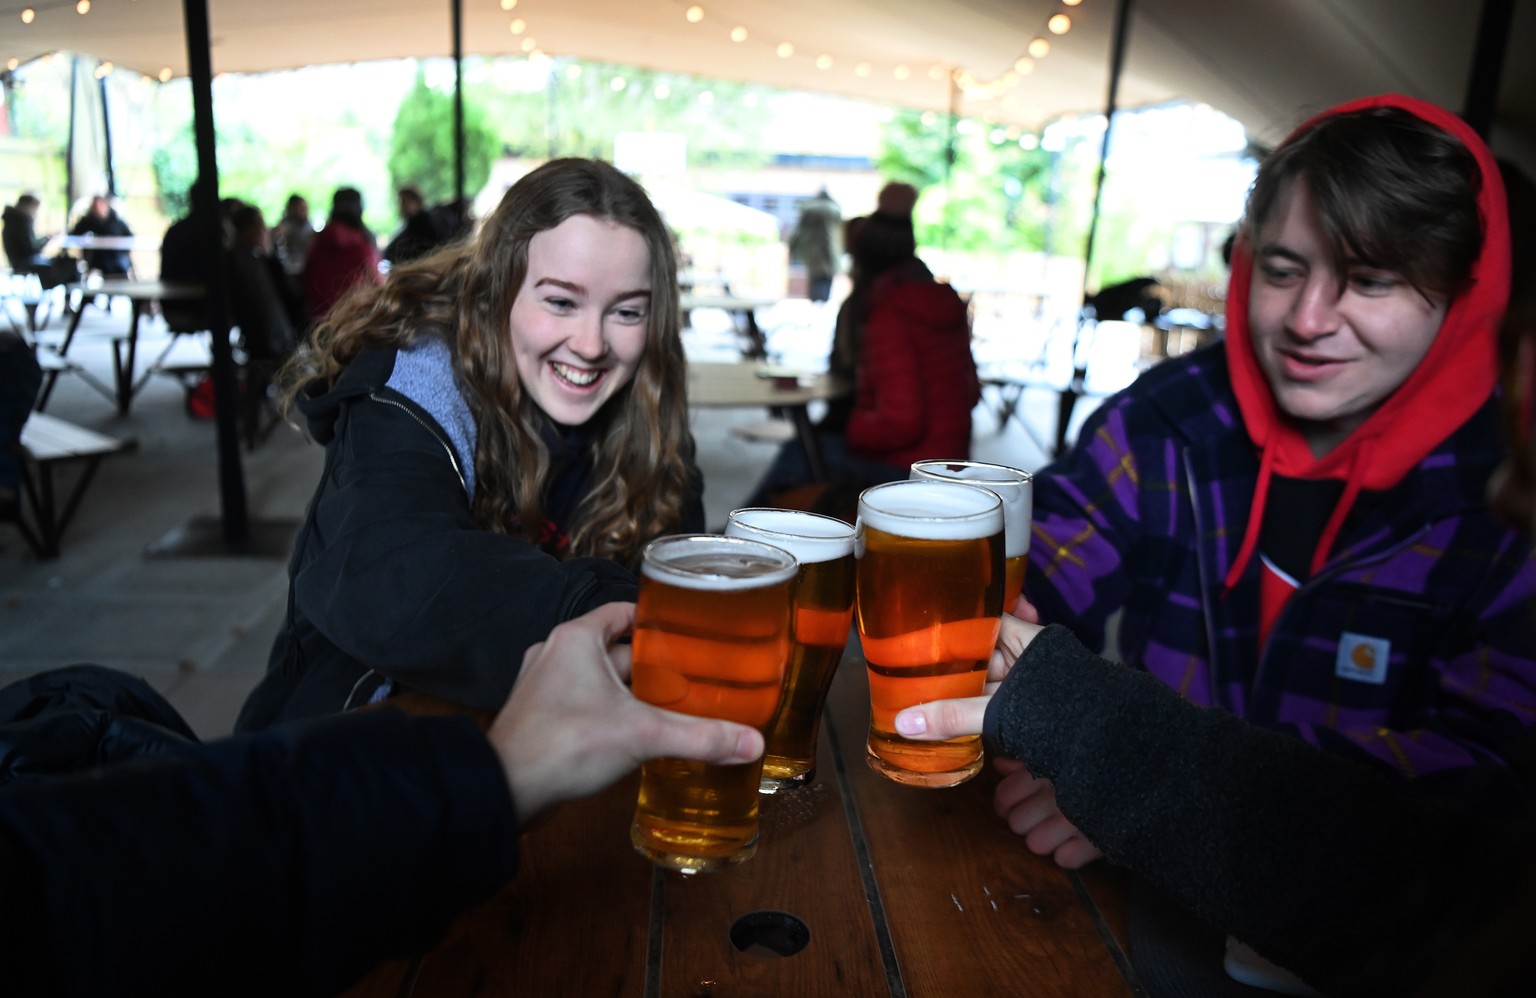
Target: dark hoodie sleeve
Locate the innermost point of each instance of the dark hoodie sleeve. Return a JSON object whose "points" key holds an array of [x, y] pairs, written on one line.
{"points": [[401, 577], [282, 863], [1321, 864]]}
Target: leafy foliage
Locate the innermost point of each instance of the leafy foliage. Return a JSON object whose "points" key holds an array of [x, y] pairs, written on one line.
{"points": [[421, 148]]}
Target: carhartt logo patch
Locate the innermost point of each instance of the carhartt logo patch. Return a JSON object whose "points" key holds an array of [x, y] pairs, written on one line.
{"points": [[1362, 658]]}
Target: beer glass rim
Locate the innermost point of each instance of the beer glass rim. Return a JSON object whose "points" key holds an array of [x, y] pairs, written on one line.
{"points": [[811, 537], [1008, 475], [784, 567], [988, 512], [1014, 486]]}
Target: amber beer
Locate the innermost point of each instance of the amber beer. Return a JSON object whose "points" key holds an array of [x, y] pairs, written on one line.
{"points": [[929, 599], [823, 614], [1016, 489], [711, 639]]}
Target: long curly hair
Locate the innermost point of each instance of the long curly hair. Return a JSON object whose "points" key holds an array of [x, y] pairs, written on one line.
{"points": [[642, 470]]}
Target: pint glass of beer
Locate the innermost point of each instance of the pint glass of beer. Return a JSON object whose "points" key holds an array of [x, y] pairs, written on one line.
{"points": [[1016, 489], [711, 639], [823, 613], [929, 599]]}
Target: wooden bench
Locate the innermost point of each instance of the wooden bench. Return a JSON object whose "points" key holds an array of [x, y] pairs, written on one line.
{"points": [[46, 443]]}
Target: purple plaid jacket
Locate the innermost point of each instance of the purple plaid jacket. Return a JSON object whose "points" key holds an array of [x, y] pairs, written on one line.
{"points": [[1145, 516]]}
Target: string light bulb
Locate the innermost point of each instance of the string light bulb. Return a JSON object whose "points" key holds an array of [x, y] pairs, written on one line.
{"points": [[901, 72], [28, 16], [508, 4], [1039, 48], [1059, 24], [823, 61], [784, 50], [862, 69], [12, 63], [1070, 3], [83, 7], [694, 14], [738, 34], [1023, 65], [529, 44], [518, 26], [165, 74]]}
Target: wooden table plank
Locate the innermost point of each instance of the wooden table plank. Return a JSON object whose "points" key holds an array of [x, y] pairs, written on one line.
{"points": [[991, 918], [805, 866]]}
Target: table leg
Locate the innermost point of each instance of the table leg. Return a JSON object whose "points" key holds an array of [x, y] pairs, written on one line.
{"points": [[809, 441], [125, 371]]}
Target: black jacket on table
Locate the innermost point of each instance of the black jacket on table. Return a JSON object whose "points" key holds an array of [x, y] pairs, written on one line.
{"points": [[284, 863], [392, 579], [1321, 864]]}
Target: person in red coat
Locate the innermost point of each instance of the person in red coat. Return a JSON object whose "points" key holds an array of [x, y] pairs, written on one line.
{"points": [[907, 338], [342, 255]]}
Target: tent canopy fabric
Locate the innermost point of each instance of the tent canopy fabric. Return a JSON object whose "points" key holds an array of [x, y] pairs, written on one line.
{"points": [[1267, 63]]}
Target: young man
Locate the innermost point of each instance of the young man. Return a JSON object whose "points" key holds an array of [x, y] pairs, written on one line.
{"points": [[1292, 525]]}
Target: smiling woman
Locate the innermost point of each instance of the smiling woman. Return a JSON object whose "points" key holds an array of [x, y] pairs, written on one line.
{"points": [[505, 423]]}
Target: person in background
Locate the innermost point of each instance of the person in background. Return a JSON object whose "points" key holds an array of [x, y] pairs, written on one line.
{"points": [[506, 427], [909, 339], [20, 379], [293, 234], [24, 247], [257, 865], [816, 243], [101, 219], [342, 256], [418, 233], [265, 302], [184, 260]]}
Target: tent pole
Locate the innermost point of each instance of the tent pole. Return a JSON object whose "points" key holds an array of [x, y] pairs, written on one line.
{"points": [[1488, 56], [106, 137], [1067, 401], [205, 209], [458, 104]]}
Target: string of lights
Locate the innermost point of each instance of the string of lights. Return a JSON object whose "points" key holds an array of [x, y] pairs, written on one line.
{"points": [[738, 32]]}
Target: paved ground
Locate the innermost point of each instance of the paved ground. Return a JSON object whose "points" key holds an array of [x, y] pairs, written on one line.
{"points": [[198, 628]]}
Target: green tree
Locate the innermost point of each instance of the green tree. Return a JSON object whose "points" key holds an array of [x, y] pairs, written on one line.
{"points": [[981, 187], [421, 149]]}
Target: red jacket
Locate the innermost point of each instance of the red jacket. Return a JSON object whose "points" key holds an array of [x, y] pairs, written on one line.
{"points": [[916, 382], [340, 258]]}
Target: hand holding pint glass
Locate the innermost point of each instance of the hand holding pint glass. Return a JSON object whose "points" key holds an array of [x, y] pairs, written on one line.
{"points": [[1016, 489], [711, 639], [823, 613], [929, 601]]}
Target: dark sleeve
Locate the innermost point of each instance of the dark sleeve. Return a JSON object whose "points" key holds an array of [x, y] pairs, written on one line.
{"points": [[408, 583], [282, 863], [1320, 863]]}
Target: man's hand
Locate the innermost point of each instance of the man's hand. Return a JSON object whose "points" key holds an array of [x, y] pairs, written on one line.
{"points": [[571, 726]]}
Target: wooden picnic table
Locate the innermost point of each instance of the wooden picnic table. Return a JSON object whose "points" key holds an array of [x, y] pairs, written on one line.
{"points": [[859, 887]]}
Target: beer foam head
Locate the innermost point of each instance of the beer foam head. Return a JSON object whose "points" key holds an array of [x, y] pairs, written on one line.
{"points": [[932, 510], [710, 561], [1014, 487], [810, 537]]}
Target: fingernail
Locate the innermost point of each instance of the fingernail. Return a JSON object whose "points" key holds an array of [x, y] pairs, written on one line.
{"points": [[911, 723], [746, 746]]}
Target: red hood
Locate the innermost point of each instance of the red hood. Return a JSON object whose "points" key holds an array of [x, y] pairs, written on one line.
{"points": [[1453, 380]]}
